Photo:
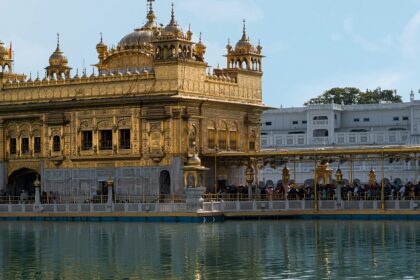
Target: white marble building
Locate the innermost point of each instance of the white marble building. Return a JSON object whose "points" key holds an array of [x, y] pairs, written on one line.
{"points": [[336, 125]]}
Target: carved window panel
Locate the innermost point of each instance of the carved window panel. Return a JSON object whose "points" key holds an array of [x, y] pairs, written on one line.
{"points": [[25, 145], [211, 136], [223, 136], [125, 136], [105, 140], [233, 137], [87, 143], [37, 144], [12, 144]]}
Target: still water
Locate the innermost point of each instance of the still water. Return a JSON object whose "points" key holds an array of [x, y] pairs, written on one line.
{"points": [[230, 250]]}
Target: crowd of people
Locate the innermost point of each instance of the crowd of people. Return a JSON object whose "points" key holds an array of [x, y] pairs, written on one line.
{"points": [[329, 191]]}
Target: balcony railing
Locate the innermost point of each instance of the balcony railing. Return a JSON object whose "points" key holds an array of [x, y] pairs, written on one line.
{"points": [[340, 139]]}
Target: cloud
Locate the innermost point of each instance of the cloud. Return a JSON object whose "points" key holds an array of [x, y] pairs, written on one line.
{"points": [[357, 38], [363, 81], [410, 38], [220, 10]]}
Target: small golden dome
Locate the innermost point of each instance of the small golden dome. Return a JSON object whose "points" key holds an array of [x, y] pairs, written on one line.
{"points": [[58, 58], [244, 44], [173, 28], [194, 160]]}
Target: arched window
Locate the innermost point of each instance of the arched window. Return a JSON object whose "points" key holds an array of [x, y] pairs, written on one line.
{"points": [[56, 143], [211, 135], [233, 137], [223, 136]]}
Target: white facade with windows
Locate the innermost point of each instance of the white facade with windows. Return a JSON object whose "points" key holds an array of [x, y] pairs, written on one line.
{"points": [[335, 125]]}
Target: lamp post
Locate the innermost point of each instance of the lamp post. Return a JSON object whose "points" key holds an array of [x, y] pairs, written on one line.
{"points": [[37, 185], [109, 184], [249, 174], [215, 171], [339, 180]]}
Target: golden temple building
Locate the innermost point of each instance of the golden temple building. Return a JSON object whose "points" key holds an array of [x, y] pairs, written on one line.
{"points": [[138, 118]]}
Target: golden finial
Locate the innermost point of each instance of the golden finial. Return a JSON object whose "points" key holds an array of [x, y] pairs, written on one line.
{"points": [[199, 41], [150, 3], [101, 37], [58, 41]]}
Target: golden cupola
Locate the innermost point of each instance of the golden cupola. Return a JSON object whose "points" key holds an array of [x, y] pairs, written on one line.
{"points": [[173, 29], [58, 63], [102, 49], [6, 61], [4, 53], [244, 56]]}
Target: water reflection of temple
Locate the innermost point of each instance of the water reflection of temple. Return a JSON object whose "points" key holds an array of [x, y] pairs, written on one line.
{"points": [[185, 251]]}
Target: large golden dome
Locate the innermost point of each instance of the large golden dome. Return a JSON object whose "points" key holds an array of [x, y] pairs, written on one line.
{"points": [[138, 38], [141, 36]]}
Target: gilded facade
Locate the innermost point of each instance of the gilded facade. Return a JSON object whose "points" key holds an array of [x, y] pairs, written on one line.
{"points": [[139, 116]]}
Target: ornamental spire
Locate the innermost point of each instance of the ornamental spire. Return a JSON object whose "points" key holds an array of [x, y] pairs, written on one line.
{"points": [[173, 21], [244, 37], [151, 14]]}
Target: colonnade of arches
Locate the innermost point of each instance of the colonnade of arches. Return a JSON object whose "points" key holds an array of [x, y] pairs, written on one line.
{"points": [[244, 63], [173, 51]]}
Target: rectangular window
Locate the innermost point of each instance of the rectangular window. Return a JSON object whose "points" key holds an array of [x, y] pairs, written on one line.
{"points": [[366, 120], [105, 141], [87, 140], [268, 123], [25, 146], [396, 118], [304, 122], [295, 122], [356, 120], [13, 146], [405, 118], [125, 139], [37, 145]]}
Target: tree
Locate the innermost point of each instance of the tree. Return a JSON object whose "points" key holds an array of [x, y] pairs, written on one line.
{"points": [[351, 95]]}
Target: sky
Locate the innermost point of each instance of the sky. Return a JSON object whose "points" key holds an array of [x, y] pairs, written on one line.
{"points": [[310, 45]]}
